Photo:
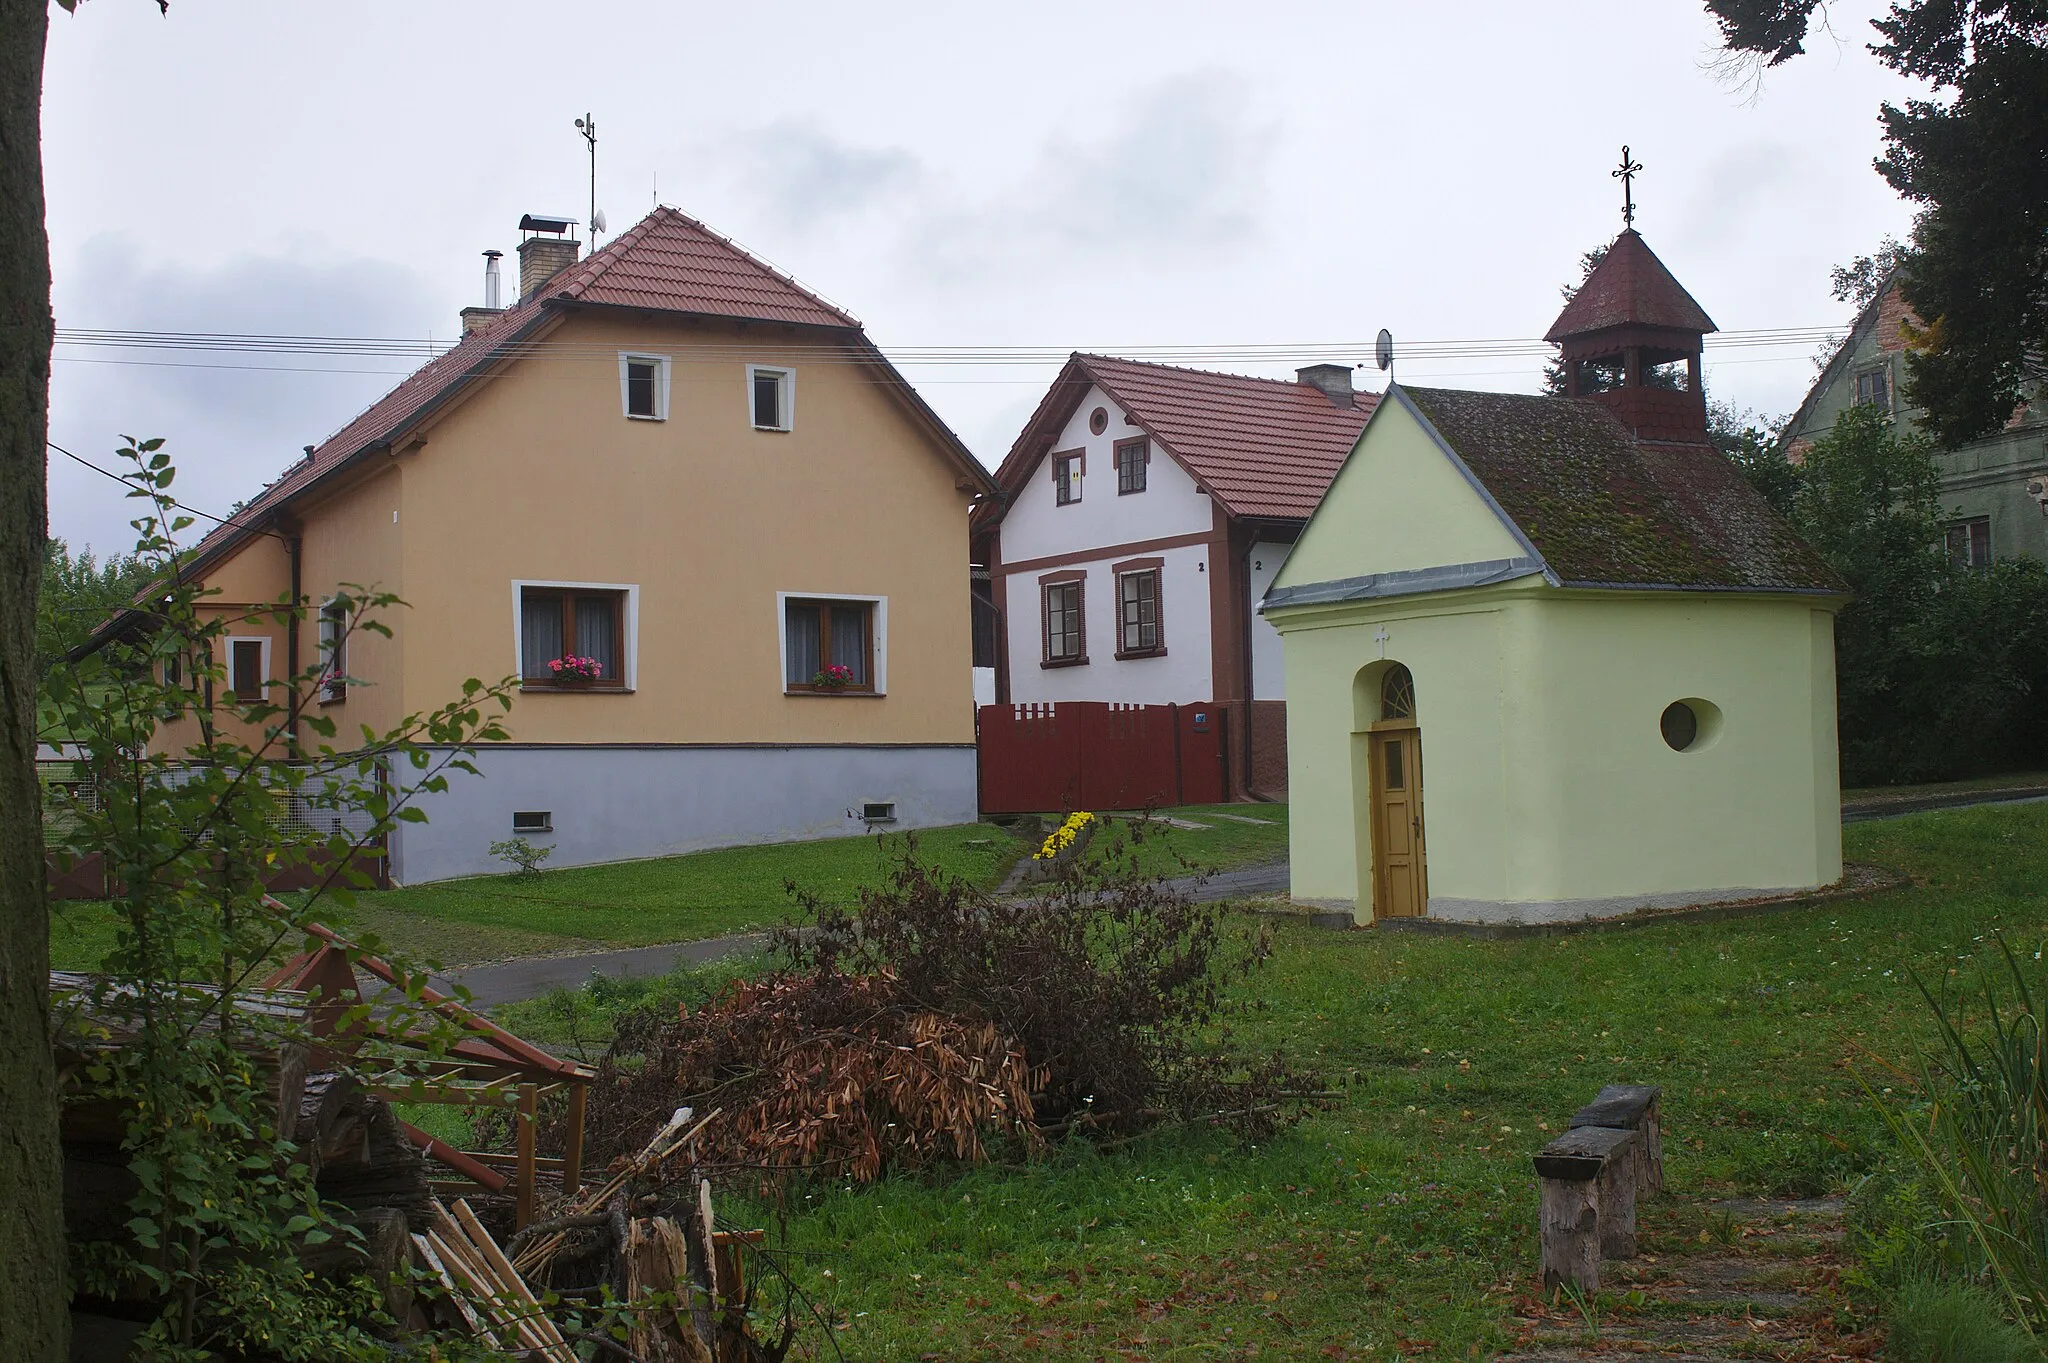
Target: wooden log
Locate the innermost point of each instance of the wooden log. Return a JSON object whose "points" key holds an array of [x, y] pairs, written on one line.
{"points": [[1568, 1228], [656, 1259], [1588, 1203], [1633, 1107]]}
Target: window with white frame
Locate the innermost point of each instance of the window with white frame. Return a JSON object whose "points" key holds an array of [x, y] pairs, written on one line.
{"points": [[828, 646], [643, 386], [574, 637], [334, 650], [248, 670], [1067, 472], [771, 397]]}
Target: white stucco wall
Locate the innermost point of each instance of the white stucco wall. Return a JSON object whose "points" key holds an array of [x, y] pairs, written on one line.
{"points": [[1269, 657], [1090, 536]]}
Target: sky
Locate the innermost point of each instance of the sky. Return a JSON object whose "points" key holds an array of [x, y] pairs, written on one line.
{"points": [[1070, 176]]}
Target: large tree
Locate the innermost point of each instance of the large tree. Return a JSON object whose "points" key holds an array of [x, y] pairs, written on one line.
{"points": [[34, 1306], [1975, 159]]}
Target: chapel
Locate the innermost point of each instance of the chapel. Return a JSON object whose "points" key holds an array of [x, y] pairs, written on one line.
{"points": [[1551, 658]]}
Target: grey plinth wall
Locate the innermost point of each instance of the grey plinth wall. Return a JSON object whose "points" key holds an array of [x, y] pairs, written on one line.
{"points": [[619, 803]]}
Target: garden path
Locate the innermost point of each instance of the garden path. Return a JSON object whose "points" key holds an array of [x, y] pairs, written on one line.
{"points": [[1741, 1279]]}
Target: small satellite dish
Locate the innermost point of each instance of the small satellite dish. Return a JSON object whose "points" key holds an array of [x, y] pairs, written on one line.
{"points": [[1383, 349], [597, 221]]}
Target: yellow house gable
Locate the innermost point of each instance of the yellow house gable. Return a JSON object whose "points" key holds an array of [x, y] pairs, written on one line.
{"points": [[1403, 503]]}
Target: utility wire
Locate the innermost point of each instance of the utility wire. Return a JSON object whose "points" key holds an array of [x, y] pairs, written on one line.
{"points": [[127, 483]]}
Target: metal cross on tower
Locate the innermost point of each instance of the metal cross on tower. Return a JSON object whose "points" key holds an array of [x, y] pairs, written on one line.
{"points": [[1627, 175]]}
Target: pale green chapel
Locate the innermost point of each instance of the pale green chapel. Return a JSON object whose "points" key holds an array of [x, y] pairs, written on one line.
{"points": [[1552, 658]]}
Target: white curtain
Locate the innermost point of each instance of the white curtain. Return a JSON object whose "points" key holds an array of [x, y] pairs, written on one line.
{"points": [[540, 634]]}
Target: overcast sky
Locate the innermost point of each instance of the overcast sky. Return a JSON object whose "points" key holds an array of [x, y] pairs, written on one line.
{"points": [[1081, 176]]}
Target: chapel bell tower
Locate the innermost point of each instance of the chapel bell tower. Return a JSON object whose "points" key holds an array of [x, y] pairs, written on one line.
{"points": [[1631, 337]]}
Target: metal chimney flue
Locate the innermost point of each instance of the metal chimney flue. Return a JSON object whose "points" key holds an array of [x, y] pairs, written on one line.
{"points": [[476, 319]]}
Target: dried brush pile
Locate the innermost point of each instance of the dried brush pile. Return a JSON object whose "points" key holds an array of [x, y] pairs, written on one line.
{"points": [[932, 1022]]}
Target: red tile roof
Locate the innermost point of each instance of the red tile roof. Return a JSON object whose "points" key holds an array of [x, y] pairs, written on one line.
{"points": [[1263, 448], [1604, 509], [1629, 287], [666, 262]]}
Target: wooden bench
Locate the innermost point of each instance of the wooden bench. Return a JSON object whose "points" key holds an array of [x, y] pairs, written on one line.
{"points": [[1591, 1176], [1632, 1107]]}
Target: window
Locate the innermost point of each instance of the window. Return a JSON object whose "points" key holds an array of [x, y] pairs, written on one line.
{"points": [[1131, 456], [334, 650], [828, 646], [1098, 421], [1138, 604], [1680, 725], [771, 397], [643, 386], [248, 662], [878, 811], [1397, 693], [582, 628], [1066, 477], [533, 821], [1065, 642], [1874, 389], [1969, 542]]}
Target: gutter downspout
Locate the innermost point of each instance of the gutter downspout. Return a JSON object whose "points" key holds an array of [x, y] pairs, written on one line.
{"points": [[1250, 618]]}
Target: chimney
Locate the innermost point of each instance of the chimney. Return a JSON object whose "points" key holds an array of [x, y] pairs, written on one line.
{"points": [[1333, 379], [476, 319], [545, 253]]}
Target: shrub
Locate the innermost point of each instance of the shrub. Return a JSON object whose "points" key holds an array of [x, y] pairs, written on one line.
{"points": [[1933, 1320], [526, 859]]}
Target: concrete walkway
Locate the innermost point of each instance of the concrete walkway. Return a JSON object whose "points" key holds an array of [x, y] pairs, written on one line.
{"points": [[509, 981]]}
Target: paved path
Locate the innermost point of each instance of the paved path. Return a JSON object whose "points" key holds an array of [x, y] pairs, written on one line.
{"points": [[507, 981], [510, 981]]}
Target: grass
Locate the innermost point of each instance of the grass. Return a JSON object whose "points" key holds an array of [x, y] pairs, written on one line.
{"points": [[1402, 1223], [703, 894], [2011, 780]]}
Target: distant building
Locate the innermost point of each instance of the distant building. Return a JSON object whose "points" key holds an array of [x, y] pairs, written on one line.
{"points": [[1143, 511], [1552, 658], [1994, 490]]}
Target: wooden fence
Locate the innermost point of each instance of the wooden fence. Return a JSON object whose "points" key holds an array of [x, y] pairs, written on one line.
{"points": [[1050, 757]]}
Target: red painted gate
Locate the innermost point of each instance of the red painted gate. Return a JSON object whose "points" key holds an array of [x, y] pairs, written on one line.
{"points": [[1050, 757]]}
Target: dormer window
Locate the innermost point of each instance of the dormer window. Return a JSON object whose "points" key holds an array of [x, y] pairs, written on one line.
{"points": [[643, 387], [1066, 477], [771, 397]]}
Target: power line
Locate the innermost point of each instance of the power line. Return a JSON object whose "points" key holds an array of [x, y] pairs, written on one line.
{"points": [[126, 482]]}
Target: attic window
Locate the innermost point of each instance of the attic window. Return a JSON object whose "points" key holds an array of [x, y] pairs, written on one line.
{"points": [[771, 397], [1131, 457], [1066, 477], [1874, 389], [643, 386]]}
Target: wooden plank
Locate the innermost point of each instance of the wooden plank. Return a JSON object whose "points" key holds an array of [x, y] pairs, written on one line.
{"points": [[1580, 1153], [509, 1276], [572, 1154], [523, 1178], [433, 1261]]}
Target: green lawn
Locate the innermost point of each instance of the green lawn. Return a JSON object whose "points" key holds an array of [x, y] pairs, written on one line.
{"points": [[1408, 1214]]}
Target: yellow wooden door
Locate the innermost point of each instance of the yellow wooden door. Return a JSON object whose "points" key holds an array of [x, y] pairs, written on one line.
{"points": [[1400, 877]]}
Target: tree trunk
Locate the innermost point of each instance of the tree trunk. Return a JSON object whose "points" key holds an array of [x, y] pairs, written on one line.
{"points": [[33, 1301]]}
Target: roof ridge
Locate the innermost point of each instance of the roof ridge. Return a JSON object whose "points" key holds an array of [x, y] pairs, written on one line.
{"points": [[756, 258], [1207, 373]]}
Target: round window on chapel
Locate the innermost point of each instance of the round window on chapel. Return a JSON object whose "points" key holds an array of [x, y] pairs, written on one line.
{"points": [[1680, 725]]}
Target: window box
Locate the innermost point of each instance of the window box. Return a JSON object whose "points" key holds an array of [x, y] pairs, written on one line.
{"points": [[560, 621], [831, 645]]}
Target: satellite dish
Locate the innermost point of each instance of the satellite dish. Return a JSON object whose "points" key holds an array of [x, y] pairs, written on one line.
{"points": [[1383, 349], [597, 221]]}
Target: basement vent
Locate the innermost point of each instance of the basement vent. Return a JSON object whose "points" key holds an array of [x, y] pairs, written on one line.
{"points": [[533, 821], [879, 811]]}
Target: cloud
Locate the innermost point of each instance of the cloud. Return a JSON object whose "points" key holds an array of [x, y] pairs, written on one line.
{"points": [[232, 421], [804, 176]]}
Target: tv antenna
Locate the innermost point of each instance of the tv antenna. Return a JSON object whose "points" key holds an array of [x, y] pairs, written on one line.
{"points": [[1383, 352], [588, 127]]}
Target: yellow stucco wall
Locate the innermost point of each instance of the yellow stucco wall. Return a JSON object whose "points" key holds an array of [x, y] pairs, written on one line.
{"points": [[544, 479], [541, 477], [1366, 522], [1546, 781], [256, 576]]}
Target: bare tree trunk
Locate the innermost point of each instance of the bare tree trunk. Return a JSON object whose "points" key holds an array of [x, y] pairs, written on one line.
{"points": [[34, 1305]]}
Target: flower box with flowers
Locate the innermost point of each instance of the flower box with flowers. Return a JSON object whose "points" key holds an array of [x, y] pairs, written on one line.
{"points": [[571, 670], [833, 677]]}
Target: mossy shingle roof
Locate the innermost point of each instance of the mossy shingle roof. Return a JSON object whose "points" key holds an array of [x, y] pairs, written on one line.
{"points": [[1604, 509]]}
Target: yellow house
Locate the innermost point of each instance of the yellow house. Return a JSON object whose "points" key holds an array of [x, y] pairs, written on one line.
{"points": [[1551, 658], [676, 465]]}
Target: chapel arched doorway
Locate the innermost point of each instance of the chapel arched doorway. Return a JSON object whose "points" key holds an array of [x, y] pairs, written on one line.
{"points": [[1390, 810]]}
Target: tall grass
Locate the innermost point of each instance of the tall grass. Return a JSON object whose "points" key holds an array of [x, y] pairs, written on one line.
{"points": [[1980, 1134]]}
